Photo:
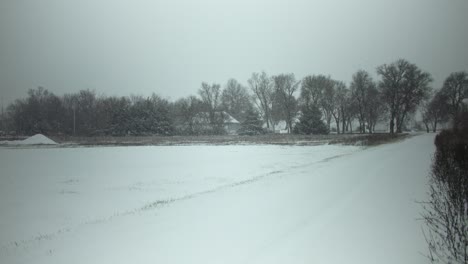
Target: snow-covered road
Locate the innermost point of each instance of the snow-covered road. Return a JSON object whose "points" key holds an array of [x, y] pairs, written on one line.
{"points": [[214, 204]]}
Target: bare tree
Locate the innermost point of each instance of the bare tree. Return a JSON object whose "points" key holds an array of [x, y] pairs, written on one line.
{"points": [[277, 113], [375, 108], [211, 98], [361, 86], [367, 99], [262, 87], [348, 108], [319, 90], [210, 95], [455, 89], [327, 103], [434, 111], [185, 111], [331, 97], [339, 113], [312, 89], [403, 86], [285, 87], [235, 99]]}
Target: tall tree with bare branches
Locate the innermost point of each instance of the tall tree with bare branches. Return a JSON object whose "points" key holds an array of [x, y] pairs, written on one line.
{"points": [[262, 87], [339, 113], [285, 87], [211, 98], [236, 100], [404, 86], [361, 87]]}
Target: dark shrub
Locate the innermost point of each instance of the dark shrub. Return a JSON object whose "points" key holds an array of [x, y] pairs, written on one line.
{"points": [[446, 212], [311, 122]]}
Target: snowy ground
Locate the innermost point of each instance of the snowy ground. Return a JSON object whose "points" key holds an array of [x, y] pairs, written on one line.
{"points": [[214, 204]]}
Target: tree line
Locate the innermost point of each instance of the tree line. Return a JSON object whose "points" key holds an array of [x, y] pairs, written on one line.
{"points": [[308, 106]]}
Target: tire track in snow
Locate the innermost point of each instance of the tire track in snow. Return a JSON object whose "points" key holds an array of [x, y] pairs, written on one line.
{"points": [[25, 244]]}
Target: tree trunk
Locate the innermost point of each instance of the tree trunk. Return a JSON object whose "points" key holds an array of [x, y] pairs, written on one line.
{"points": [[343, 122], [455, 122], [267, 117], [399, 125], [337, 121], [337, 126], [400, 121], [392, 124]]}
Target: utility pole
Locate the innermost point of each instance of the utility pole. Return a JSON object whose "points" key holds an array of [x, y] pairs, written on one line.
{"points": [[74, 120]]}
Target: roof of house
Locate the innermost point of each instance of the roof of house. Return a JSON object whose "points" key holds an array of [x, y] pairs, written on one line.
{"points": [[229, 119]]}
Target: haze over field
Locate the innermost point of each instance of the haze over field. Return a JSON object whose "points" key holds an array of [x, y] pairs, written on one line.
{"points": [[233, 131], [170, 47]]}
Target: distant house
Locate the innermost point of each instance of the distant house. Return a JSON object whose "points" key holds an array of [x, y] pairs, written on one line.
{"points": [[278, 127], [281, 126], [229, 123]]}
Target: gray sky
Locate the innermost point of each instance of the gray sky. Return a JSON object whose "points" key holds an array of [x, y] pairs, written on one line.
{"points": [[123, 47]]}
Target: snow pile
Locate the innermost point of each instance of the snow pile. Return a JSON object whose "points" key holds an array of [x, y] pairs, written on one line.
{"points": [[37, 139]]}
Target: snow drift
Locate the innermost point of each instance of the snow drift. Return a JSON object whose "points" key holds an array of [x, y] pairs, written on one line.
{"points": [[37, 139]]}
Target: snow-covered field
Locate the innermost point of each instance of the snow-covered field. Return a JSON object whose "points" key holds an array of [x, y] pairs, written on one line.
{"points": [[214, 204]]}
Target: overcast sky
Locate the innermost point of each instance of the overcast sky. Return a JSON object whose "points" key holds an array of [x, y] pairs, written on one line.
{"points": [[123, 47]]}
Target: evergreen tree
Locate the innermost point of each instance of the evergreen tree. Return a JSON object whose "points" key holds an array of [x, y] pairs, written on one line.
{"points": [[252, 124], [311, 122]]}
